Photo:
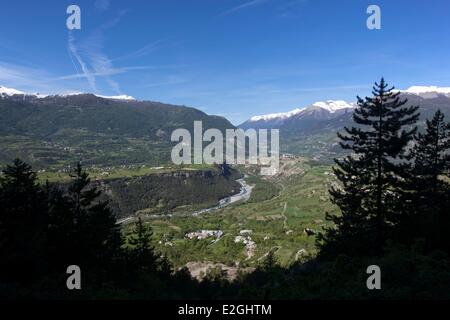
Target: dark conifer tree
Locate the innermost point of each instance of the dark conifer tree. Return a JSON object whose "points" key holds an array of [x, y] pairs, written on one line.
{"points": [[430, 153], [61, 232], [370, 176], [23, 219], [270, 261], [96, 235], [427, 192], [142, 251]]}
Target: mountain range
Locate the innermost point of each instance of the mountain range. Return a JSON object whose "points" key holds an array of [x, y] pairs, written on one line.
{"points": [[311, 130], [56, 130]]}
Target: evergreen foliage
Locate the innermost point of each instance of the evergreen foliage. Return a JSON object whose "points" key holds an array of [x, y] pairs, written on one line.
{"points": [[142, 252], [371, 175], [426, 197]]}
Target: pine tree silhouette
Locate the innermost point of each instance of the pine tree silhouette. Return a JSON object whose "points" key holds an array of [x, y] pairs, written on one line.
{"points": [[97, 237], [371, 175], [427, 195], [270, 261], [431, 158], [23, 219], [143, 252]]}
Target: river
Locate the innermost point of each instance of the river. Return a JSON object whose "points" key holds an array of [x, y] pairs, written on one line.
{"points": [[244, 195]]}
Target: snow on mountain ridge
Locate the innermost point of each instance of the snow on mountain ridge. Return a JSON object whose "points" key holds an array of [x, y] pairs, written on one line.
{"points": [[4, 91], [121, 97], [9, 91], [330, 105], [282, 115], [427, 89], [334, 105]]}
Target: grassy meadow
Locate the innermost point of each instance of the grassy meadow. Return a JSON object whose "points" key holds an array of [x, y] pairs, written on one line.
{"points": [[278, 212]]}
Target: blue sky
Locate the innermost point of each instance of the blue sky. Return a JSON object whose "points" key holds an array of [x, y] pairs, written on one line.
{"points": [[236, 58]]}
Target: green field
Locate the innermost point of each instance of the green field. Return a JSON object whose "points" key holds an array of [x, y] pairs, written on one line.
{"points": [[116, 172], [277, 213]]}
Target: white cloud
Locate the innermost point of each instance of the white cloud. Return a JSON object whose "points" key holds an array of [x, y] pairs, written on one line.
{"points": [[107, 72], [30, 79], [12, 75], [91, 58], [73, 52]]}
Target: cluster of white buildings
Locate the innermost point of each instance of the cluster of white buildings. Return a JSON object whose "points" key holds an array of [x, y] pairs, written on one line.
{"points": [[203, 234], [245, 238]]}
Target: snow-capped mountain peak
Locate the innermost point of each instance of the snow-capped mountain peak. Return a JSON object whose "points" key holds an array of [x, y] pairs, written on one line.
{"points": [[330, 105], [427, 92], [333, 105], [274, 116], [4, 91], [9, 91], [121, 97], [427, 89]]}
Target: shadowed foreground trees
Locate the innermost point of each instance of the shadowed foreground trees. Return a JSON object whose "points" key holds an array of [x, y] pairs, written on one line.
{"points": [[371, 175], [44, 229], [395, 185], [426, 196], [23, 222]]}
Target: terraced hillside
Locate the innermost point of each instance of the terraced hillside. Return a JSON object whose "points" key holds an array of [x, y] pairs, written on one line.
{"points": [[242, 234]]}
